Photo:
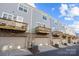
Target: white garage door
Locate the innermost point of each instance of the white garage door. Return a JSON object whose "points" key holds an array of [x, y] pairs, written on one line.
{"points": [[12, 43], [41, 41]]}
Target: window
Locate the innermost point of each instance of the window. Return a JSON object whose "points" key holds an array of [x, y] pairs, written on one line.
{"points": [[19, 18], [25, 10], [4, 15], [10, 17], [7, 15], [44, 18], [22, 8], [14, 17]]}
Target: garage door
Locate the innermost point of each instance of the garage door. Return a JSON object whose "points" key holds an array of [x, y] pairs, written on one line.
{"points": [[12, 43], [56, 41], [41, 41]]}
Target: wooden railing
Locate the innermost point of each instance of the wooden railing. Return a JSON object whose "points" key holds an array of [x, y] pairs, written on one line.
{"points": [[12, 25], [43, 30]]}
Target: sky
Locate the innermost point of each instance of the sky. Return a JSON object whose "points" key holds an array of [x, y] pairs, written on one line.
{"points": [[67, 13]]}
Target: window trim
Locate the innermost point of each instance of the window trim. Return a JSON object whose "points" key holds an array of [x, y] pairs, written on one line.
{"points": [[20, 9], [21, 17], [3, 14], [11, 17], [7, 15], [44, 17], [25, 10], [22, 6]]}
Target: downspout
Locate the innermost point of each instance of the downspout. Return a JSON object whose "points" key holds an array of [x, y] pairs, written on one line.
{"points": [[30, 33]]}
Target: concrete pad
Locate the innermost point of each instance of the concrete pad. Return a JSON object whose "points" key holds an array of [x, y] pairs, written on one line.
{"points": [[46, 48], [71, 44], [62, 46], [17, 52]]}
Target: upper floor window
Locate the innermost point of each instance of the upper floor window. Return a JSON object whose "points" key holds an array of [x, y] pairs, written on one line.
{"points": [[14, 17], [4, 15], [10, 17], [7, 15], [19, 18], [25, 10], [22, 7], [44, 17]]}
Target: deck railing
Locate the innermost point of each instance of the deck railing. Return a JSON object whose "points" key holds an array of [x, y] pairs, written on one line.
{"points": [[43, 30], [12, 25]]}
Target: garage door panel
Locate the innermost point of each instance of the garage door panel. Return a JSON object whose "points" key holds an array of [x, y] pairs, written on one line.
{"points": [[41, 41], [13, 42]]}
